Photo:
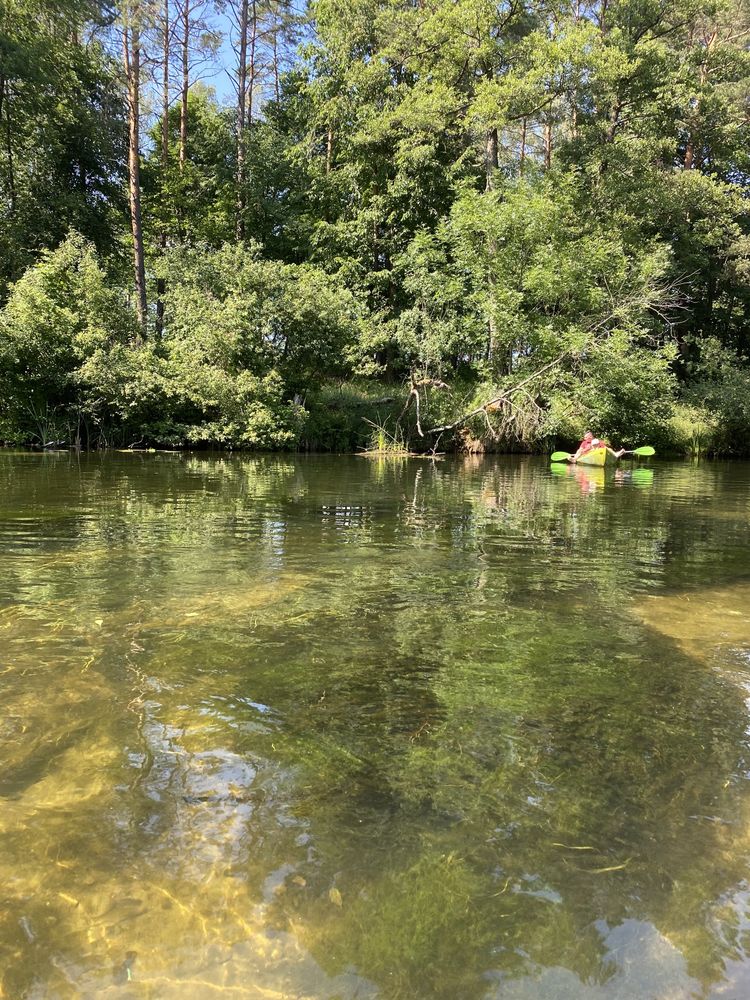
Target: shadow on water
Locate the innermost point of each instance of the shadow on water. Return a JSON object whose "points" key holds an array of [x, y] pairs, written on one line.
{"points": [[327, 728]]}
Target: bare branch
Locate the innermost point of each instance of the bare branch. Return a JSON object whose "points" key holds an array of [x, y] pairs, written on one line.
{"points": [[502, 397]]}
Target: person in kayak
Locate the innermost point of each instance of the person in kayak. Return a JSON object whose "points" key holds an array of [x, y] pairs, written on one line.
{"points": [[590, 442]]}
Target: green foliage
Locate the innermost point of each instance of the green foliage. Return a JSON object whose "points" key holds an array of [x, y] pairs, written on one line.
{"points": [[60, 324], [691, 430], [720, 387], [627, 391], [244, 340], [462, 194], [340, 416], [63, 126], [195, 200]]}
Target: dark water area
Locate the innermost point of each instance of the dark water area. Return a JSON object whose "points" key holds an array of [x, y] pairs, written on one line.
{"points": [[337, 728]]}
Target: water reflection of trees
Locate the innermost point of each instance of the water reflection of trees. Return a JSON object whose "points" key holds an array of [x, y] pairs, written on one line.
{"points": [[385, 678]]}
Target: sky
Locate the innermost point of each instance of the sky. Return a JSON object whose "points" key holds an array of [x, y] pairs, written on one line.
{"points": [[220, 73]]}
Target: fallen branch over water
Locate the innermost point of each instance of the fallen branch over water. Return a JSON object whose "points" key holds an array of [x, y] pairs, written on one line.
{"points": [[414, 386], [493, 403]]}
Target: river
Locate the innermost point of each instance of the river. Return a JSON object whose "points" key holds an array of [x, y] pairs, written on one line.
{"points": [[338, 727]]}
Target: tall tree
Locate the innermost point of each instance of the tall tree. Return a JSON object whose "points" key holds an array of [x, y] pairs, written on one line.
{"points": [[62, 135], [241, 11], [198, 41], [166, 43], [264, 32], [131, 29]]}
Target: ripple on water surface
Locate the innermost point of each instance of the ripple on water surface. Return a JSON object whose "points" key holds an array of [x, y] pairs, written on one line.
{"points": [[327, 728]]}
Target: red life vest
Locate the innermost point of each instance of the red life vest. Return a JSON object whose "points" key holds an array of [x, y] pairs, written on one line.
{"points": [[587, 446]]}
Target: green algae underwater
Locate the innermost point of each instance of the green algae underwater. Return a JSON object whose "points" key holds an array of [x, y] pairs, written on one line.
{"points": [[335, 728]]}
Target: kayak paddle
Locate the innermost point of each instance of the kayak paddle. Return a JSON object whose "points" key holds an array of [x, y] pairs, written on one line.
{"points": [[645, 451]]}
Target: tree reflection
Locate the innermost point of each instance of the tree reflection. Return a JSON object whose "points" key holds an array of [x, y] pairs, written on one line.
{"points": [[402, 714]]}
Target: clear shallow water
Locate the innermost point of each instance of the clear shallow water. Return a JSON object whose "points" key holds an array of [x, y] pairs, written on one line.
{"points": [[337, 728]]}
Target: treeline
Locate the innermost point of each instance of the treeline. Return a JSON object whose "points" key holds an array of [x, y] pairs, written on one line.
{"points": [[438, 224]]}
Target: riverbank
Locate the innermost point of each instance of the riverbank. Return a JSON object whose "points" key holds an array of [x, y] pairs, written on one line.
{"points": [[374, 416]]}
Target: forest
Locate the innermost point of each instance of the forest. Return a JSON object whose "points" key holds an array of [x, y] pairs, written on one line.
{"points": [[419, 224]]}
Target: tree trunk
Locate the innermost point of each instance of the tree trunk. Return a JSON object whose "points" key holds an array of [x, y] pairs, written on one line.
{"points": [[185, 61], [491, 164], [690, 147], [614, 122], [603, 17], [277, 89], [491, 160], [522, 162], [547, 145], [161, 284], [132, 60], [165, 89], [4, 91], [574, 91], [492, 332], [251, 79], [329, 149], [241, 119]]}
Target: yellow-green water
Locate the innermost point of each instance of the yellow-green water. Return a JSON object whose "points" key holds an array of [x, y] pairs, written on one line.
{"points": [[340, 728]]}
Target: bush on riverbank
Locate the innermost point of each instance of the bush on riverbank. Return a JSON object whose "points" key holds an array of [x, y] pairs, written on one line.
{"points": [[248, 347]]}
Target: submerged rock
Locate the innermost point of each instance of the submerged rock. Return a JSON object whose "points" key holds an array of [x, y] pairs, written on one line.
{"points": [[702, 620]]}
